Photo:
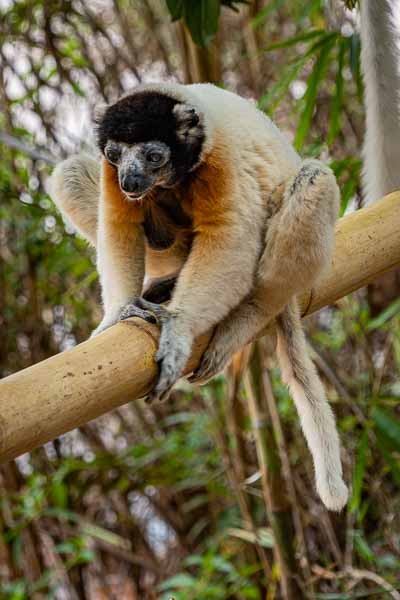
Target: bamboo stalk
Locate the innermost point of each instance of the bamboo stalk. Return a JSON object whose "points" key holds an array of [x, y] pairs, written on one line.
{"points": [[56, 395], [276, 499]]}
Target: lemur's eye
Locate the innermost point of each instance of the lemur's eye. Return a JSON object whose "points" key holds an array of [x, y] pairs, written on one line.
{"points": [[112, 154], [154, 157]]}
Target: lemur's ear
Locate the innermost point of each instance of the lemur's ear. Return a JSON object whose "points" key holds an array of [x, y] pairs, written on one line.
{"points": [[99, 112], [188, 123]]}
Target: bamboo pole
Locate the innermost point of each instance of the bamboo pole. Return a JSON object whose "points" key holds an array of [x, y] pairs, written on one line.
{"points": [[41, 402]]}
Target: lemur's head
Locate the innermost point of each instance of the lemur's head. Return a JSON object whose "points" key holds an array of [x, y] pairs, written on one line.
{"points": [[152, 139]]}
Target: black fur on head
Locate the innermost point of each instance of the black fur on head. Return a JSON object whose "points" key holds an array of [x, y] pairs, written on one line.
{"points": [[148, 116]]}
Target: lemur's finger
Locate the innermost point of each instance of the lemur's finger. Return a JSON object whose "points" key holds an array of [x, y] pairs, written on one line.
{"points": [[159, 311], [171, 367], [162, 389], [131, 310], [160, 397]]}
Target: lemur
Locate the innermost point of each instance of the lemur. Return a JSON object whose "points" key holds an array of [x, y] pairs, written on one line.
{"points": [[195, 182]]}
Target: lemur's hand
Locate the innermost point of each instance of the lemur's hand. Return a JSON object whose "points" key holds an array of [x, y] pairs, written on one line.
{"points": [[134, 309], [173, 351]]}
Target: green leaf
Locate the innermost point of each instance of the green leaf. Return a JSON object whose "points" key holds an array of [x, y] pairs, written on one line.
{"points": [[192, 16], [387, 314], [59, 494], [359, 471], [201, 18], [77, 89], [251, 593], [348, 191], [337, 100], [265, 12], [362, 547], [210, 16], [175, 8], [17, 549], [315, 78], [273, 97], [303, 37], [182, 580], [388, 425], [263, 536], [392, 463], [355, 63]]}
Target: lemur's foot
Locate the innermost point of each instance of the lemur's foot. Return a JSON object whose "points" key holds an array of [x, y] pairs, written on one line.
{"points": [[133, 309], [173, 350], [212, 364], [214, 360]]}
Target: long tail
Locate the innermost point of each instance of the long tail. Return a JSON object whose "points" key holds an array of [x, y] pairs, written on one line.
{"points": [[316, 417], [380, 55]]}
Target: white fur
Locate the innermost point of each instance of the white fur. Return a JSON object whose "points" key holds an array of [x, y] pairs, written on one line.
{"points": [[380, 62], [274, 240], [316, 417]]}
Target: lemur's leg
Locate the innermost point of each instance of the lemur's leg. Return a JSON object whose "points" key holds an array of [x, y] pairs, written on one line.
{"points": [[298, 246], [75, 188]]}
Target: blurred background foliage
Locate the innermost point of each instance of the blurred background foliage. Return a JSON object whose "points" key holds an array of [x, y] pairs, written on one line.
{"points": [[210, 496]]}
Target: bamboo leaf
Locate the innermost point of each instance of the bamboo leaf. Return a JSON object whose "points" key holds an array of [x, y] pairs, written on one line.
{"points": [[201, 18], [359, 471], [388, 425], [59, 493], [262, 536], [265, 12], [175, 8], [385, 315], [362, 547], [348, 190], [392, 463], [210, 16], [312, 90], [337, 100], [275, 94], [273, 97], [192, 11], [303, 37]]}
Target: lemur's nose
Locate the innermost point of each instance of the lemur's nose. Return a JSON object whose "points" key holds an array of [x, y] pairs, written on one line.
{"points": [[131, 183]]}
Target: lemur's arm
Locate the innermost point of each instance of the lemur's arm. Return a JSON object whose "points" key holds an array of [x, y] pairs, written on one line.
{"points": [[215, 278], [120, 248]]}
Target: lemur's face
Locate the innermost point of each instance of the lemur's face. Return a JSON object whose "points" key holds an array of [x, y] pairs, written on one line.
{"points": [[152, 139], [141, 166]]}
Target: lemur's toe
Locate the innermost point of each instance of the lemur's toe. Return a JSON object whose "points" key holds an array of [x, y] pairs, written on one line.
{"points": [[211, 365], [158, 310]]}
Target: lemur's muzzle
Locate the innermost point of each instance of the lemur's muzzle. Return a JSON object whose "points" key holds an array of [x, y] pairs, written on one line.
{"points": [[134, 183]]}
